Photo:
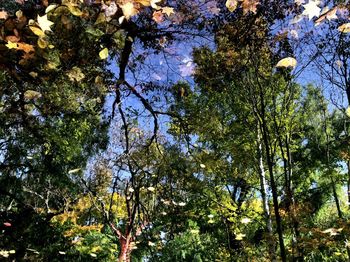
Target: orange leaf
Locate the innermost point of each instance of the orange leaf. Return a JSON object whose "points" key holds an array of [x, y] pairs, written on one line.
{"points": [[249, 6], [27, 48], [158, 16]]}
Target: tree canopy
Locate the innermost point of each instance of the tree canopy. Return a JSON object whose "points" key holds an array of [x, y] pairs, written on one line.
{"points": [[160, 130]]}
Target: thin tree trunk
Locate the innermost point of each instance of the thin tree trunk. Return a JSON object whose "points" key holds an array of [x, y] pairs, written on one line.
{"points": [[274, 190], [348, 183], [265, 200], [269, 160], [336, 199]]}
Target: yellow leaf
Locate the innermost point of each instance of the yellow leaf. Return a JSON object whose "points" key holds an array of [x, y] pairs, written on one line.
{"points": [[74, 10], [144, 2], [344, 28], [37, 31], [103, 53], [231, 5], [50, 8], [128, 10], [154, 4], [31, 95], [75, 74], [44, 23], [168, 10], [74, 171], [42, 43], [347, 111], [240, 236], [11, 45], [287, 62]]}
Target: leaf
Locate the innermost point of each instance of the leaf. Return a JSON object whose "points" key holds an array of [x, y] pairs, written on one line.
{"points": [[311, 9], [344, 28], [37, 31], [245, 220], [168, 10], [157, 16], [11, 45], [144, 2], [74, 10], [42, 43], [231, 5], [110, 9], [3, 14], [31, 95], [50, 8], [75, 74], [74, 171], [154, 4], [250, 6], [287, 62], [240, 236], [128, 10], [151, 189], [103, 53], [7, 224], [44, 23], [27, 48], [94, 31]]}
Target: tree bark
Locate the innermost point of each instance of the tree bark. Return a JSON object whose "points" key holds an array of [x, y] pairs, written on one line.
{"points": [[125, 249], [269, 160], [265, 200], [348, 183]]}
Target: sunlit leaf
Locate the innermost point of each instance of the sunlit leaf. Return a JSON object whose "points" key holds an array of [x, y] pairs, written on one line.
{"points": [[287, 62], [157, 16], [245, 220], [25, 47], [240, 236], [168, 10], [154, 4], [72, 171], [144, 2], [311, 9], [75, 74], [128, 10], [104, 53], [231, 5], [250, 6], [37, 31], [3, 14], [50, 8], [32, 95], [44, 23], [344, 28], [11, 45], [42, 43]]}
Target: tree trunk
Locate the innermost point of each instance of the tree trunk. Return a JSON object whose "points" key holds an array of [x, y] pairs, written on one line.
{"points": [[348, 183], [336, 199], [269, 160], [265, 200], [274, 191], [125, 249]]}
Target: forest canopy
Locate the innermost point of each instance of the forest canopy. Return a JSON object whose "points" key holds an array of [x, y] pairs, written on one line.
{"points": [[163, 130]]}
